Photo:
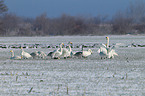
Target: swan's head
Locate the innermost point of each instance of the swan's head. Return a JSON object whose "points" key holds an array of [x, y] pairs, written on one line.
{"points": [[69, 42], [90, 51], [11, 51], [21, 47], [61, 43], [107, 38]]}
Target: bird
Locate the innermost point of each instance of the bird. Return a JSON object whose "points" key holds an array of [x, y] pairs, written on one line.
{"points": [[83, 53], [24, 54], [87, 53], [38, 54], [41, 54], [35, 54], [56, 54], [13, 56], [102, 52], [67, 53], [50, 54], [107, 51]]}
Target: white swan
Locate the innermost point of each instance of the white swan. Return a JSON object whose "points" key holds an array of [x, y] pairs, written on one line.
{"points": [[13, 56], [83, 53], [67, 53], [87, 53], [24, 54], [107, 52], [57, 53]]}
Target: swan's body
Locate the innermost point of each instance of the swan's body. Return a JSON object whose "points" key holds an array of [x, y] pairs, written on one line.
{"points": [[13, 56], [67, 53], [57, 53], [35, 54], [87, 53], [38, 54], [83, 53], [24, 54], [102, 52], [107, 52]]}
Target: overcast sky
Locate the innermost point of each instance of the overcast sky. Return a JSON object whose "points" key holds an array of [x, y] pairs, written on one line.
{"points": [[55, 8]]}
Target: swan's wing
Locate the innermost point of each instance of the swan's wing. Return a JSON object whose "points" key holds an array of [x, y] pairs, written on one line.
{"points": [[27, 55], [72, 53], [112, 53], [102, 50], [41, 54], [103, 45], [78, 54], [65, 52], [50, 54], [55, 54], [86, 53], [99, 50], [33, 54]]}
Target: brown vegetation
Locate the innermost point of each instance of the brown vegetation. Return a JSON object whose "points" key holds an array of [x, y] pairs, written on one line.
{"points": [[132, 21]]}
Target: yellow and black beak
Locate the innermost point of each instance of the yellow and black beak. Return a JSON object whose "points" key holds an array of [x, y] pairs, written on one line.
{"points": [[62, 43]]}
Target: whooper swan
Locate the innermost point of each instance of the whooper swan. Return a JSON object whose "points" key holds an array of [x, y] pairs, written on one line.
{"points": [[13, 56], [83, 53], [67, 53], [24, 54], [56, 54], [106, 51]]}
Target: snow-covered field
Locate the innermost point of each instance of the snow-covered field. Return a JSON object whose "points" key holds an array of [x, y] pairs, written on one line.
{"points": [[122, 76]]}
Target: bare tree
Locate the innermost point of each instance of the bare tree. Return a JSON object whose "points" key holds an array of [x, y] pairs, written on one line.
{"points": [[136, 11], [121, 24], [3, 7], [10, 23], [41, 24]]}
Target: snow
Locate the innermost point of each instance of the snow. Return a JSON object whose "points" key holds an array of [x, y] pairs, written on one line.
{"points": [[123, 75]]}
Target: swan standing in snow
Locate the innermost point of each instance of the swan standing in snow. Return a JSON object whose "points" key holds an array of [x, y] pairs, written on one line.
{"points": [[83, 53], [107, 52], [56, 53], [13, 56], [67, 53], [24, 54]]}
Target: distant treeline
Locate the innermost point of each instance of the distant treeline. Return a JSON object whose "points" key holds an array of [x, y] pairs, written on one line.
{"points": [[130, 21]]}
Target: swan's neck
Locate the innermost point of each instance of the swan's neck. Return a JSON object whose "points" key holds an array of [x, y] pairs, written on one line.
{"points": [[12, 55], [107, 43], [82, 47], [61, 48], [70, 48], [22, 50]]}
